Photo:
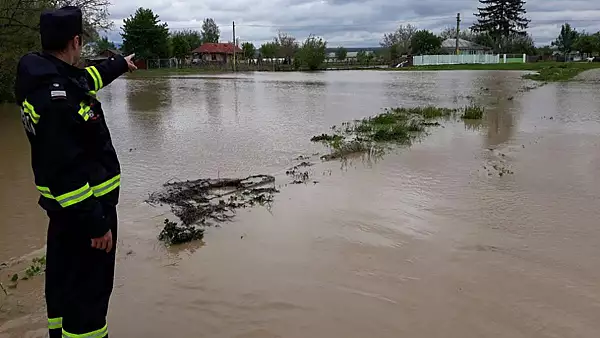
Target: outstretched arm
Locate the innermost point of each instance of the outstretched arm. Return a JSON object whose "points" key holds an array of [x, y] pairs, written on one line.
{"points": [[106, 72]]}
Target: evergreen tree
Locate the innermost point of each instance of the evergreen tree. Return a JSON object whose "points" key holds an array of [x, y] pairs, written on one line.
{"points": [[145, 35], [210, 31], [501, 19]]}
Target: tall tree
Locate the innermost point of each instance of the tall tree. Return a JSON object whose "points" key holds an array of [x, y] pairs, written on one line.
{"points": [[19, 22], [566, 39], [269, 50], [180, 45], [145, 35], [519, 44], [192, 37], [424, 42], [341, 53], [248, 50], [501, 19], [312, 53], [450, 33], [400, 38], [288, 46], [210, 31], [103, 44], [586, 43]]}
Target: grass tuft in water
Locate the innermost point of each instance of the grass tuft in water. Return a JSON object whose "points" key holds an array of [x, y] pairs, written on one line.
{"points": [[371, 134], [473, 112]]}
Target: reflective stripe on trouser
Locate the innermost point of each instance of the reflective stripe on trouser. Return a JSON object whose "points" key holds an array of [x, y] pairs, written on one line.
{"points": [[69, 198], [96, 76], [55, 323], [101, 333]]}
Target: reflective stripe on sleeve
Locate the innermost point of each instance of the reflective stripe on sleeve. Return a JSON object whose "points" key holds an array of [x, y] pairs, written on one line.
{"points": [[69, 198], [106, 187], [54, 323], [96, 76], [74, 197], [103, 332], [28, 108]]}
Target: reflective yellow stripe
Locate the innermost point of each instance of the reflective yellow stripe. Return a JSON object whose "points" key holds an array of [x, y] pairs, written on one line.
{"points": [[69, 198], [92, 70], [45, 191], [84, 111], [93, 93], [55, 323], [100, 84], [106, 187], [28, 108], [74, 197], [103, 332]]}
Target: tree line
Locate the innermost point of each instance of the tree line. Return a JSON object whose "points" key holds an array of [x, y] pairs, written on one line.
{"points": [[501, 26], [145, 35], [19, 31]]}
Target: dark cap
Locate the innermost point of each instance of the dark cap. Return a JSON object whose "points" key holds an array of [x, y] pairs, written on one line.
{"points": [[59, 26]]}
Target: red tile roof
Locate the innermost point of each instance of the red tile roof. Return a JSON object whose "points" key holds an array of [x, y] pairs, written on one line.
{"points": [[224, 48]]}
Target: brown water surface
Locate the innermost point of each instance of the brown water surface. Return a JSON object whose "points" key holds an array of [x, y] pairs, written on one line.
{"points": [[427, 242]]}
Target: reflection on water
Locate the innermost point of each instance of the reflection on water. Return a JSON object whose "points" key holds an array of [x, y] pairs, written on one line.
{"points": [[430, 234]]}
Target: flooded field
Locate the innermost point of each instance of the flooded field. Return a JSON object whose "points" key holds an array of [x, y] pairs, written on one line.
{"points": [[429, 241]]}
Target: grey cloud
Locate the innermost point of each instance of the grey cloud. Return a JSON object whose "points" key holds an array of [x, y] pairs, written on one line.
{"points": [[350, 22]]}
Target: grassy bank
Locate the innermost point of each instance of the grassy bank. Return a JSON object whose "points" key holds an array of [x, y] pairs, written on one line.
{"points": [[546, 71], [399, 126], [162, 72]]}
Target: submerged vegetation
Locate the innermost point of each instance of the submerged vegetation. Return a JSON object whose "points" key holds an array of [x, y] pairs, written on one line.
{"points": [[560, 71], [473, 112], [204, 201], [393, 126]]}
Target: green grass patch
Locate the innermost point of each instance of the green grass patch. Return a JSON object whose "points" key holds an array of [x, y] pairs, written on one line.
{"points": [[547, 71], [473, 112], [561, 71], [400, 126]]}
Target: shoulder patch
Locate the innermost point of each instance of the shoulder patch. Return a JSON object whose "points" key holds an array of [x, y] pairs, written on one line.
{"points": [[57, 92]]}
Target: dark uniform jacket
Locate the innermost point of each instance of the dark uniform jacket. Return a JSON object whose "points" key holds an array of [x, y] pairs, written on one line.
{"points": [[75, 165]]}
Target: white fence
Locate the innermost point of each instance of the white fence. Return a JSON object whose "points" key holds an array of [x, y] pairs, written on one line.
{"points": [[424, 60]]}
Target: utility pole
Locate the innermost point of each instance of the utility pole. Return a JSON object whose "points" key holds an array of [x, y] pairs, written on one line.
{"points": [[234, 46], [457, 31]]}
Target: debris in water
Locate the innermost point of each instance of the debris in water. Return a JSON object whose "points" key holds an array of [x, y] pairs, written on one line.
{"points": [[200, 201], [299, 176], [174, 233]]}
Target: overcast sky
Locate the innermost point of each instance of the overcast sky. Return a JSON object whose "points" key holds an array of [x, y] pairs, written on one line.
{"points": [[351, 23]]}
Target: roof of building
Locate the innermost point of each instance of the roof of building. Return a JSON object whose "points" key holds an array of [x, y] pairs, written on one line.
{"points": [[462, 44], [222, 48], [114, 51]]}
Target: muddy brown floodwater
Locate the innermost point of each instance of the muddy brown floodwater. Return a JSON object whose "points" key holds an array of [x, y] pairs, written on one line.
{"points": [[427, 242]]}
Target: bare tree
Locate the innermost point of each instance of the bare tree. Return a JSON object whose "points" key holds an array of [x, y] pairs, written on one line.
{"points": [[288, 46], [400, 38]]}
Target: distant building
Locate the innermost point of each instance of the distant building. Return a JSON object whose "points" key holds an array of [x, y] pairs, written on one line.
{"points": [[464, 47], [103, 55], [216, 52]]}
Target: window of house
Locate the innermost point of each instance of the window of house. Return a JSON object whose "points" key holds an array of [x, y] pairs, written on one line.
{"points": [[213, 57]]}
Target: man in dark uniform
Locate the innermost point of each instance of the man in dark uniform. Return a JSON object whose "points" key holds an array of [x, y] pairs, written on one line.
{"points": [[76, 171]]}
